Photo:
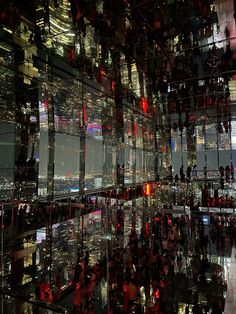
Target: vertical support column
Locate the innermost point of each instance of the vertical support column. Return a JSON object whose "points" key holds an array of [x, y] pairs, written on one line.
{"points": [[51, 131], [120, 145], [82, 169], [191, 148], [26, 170], [164, 138], [134, 129]]}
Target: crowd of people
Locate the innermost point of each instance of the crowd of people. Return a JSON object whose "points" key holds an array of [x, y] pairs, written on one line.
{"points": [[167, 264], [211, 198], [226, 174]]}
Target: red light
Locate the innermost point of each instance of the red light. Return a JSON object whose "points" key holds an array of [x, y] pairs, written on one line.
{"points": [[157, 219], [144, 104], [148, 189], [157, 294], [147, 227]]}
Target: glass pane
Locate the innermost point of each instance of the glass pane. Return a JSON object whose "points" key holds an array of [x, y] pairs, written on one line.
{"points": [[66, 170], [211, 136]]}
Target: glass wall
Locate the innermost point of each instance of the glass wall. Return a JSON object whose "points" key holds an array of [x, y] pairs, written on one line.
{"points": [[179, 149], [138, 127], [128, 147], [100, 153], [7, 159], [214, 148], [64, 94], [149, 151]]}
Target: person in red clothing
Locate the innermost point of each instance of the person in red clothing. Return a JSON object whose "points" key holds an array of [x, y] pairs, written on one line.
{"points": [[46, 292], [78, 298]]}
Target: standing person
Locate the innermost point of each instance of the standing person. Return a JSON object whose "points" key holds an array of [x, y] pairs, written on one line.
{"points": [[189, 171], [232, 171], [227, 173], [181, 173], [194, 172], [222, 171], [170, 174]]}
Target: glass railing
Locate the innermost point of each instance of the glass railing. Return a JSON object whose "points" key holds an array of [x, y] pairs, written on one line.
{"points": [[14, 305]]}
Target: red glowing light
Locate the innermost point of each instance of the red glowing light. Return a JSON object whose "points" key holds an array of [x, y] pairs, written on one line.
{"points": [[157, 294], [148, 189], [169, 220], [144, 104]]}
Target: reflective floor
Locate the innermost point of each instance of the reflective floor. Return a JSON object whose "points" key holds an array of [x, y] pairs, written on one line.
{"points": [[167, 263]]}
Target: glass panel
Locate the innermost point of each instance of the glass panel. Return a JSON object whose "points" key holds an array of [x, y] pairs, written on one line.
{"points": [[212, 162], [128, 150], [233, 134], [139, 165], [149, 165], [60, 24], [66, 170], [135, 79], [179, 144], [200, 139], [124, 71], [89, 43], [7, 159], [224, 141], [211, 136], [67, 106], [93, 164]]}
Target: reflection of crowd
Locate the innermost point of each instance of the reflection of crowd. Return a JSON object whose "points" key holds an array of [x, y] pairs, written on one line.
{"points": [[226, 174], [209, 200], [192, 173], [169, 254], [85, 279]]}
